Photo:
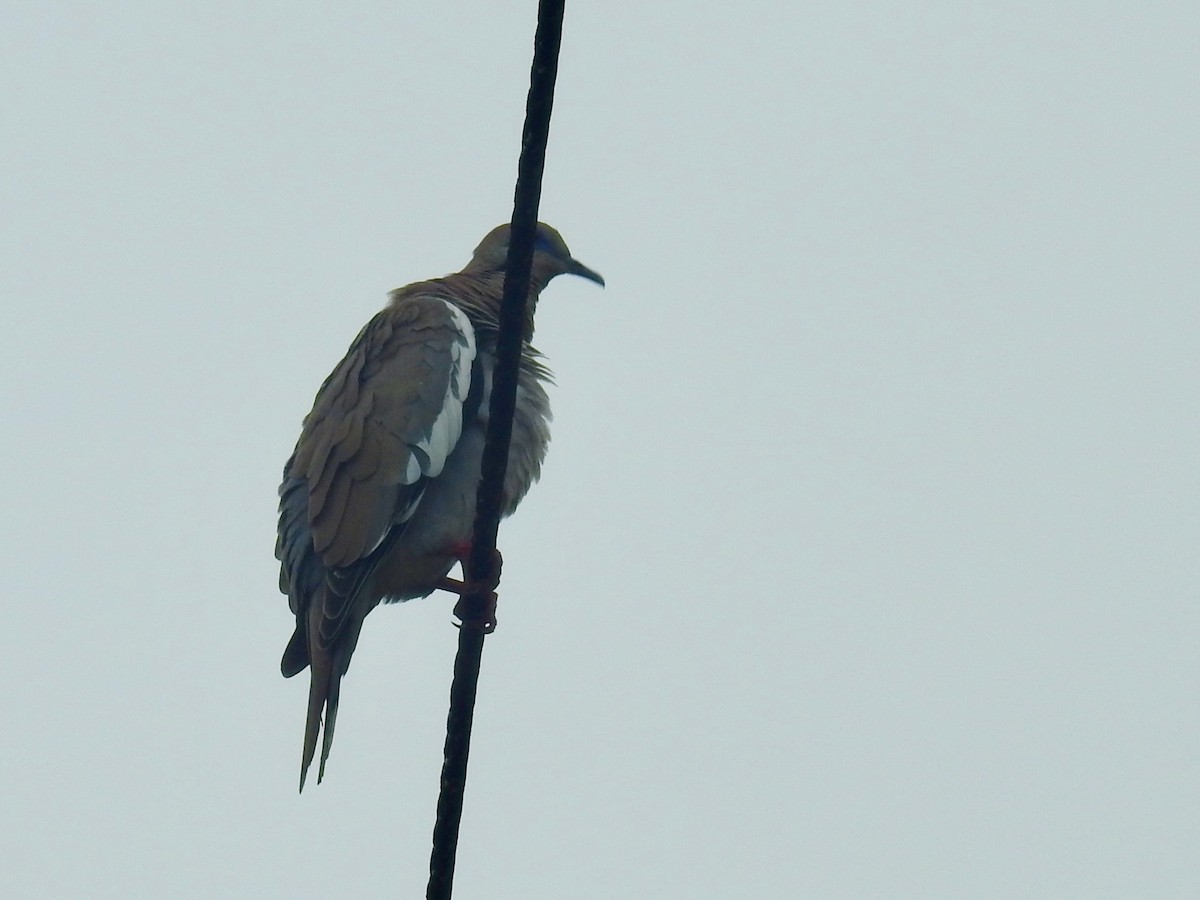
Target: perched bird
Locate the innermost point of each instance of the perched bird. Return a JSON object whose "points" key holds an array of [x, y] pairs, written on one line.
{"points": [[378, 498]]}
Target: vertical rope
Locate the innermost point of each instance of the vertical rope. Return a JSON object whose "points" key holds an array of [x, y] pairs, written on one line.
{"points": [[495, 457]]}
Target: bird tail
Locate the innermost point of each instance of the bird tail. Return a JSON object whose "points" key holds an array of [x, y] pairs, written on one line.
{"points": [[323, 690], [327, 665], [328, 660], [328, 657]]}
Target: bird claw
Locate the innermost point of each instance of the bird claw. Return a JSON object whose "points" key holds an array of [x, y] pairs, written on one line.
{"points": [[473, 617]]}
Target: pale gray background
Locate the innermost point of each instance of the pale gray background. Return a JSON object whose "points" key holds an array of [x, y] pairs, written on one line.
{"points": [[865, 560]]}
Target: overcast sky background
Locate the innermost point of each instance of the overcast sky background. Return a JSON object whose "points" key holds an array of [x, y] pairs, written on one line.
{"points": [[865, 559]]}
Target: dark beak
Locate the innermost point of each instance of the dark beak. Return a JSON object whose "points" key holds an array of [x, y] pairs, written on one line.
{"points": [[575, 267]]}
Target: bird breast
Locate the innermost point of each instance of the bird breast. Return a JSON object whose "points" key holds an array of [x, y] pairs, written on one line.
{"points": [[445, 516]]}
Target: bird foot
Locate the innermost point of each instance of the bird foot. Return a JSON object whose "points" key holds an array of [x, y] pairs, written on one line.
{"points": [[469, 615], [482, 619]]}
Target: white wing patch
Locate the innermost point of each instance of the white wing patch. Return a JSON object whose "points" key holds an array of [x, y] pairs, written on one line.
{"points": [[429, 454]]}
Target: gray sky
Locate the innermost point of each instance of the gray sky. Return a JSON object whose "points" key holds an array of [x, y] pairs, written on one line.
{"points": [[865, 559]]}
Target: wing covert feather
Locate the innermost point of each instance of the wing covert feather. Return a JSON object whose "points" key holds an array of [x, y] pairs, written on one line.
{"points": [[386, 419]]}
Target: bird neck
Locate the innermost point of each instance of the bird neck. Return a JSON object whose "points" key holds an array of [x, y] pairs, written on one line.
{"points": [[481, 294]]}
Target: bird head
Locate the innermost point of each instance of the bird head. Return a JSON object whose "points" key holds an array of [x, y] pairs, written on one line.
{"points": [[551, 256]]}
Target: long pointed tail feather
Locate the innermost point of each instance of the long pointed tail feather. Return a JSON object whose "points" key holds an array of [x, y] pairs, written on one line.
{"points": [[318, 695], [331, 708], [322, 697], [327, 665]]}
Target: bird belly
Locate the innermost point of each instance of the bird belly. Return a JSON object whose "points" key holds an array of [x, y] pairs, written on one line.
{"points": [[424, 553], [445, 518]]}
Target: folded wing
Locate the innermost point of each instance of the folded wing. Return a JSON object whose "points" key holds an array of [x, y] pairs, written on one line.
{"points": [[382, 425]]}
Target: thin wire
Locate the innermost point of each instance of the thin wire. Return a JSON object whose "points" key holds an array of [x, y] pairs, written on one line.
{"points": [[495, 457]]}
